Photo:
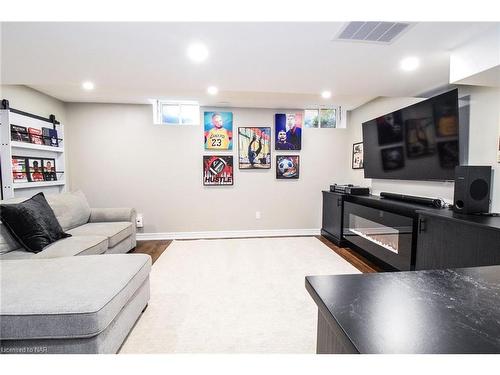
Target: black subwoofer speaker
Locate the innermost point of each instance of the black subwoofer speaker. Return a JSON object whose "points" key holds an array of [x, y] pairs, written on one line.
{"points": [[472, 189]]}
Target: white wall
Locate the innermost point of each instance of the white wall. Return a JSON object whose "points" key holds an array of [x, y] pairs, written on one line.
{"points": [[475, 56], [118, 157], [484, 132], [483, 138]]}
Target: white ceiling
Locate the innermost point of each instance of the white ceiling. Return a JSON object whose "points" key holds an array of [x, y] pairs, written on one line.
{"points": [[274, 65]]}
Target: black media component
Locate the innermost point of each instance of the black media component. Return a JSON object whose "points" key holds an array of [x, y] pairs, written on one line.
{"points": [[450, 240], [332, 222], [350, 189], [379, 229], [5, 104], [472, 189], [387, 236], [436, 203]]}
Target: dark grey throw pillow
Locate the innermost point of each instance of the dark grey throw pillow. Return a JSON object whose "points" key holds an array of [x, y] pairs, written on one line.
{"points": [[32, 223]]}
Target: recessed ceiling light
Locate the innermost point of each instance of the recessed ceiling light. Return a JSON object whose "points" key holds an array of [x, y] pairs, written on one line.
{"points": [[87, 85], [212, 90], [409, 63], [197, 52], [326, 94]]}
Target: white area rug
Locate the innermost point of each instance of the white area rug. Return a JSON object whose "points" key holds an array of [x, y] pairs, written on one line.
{"points": [[234, 296]]}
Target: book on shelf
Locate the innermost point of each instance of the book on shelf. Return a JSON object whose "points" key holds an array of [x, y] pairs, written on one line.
{"points": [[50, 137], [35, 172], [49, 169], [19, 172], [19, 133], [35, 136]]}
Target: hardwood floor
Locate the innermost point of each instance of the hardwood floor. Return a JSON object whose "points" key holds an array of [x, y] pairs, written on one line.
{"points": [[157, 247], [357, 260], [152, 248]]}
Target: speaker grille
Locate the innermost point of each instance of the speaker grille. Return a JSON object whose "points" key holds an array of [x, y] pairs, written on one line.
{"points": [[479, 189]]}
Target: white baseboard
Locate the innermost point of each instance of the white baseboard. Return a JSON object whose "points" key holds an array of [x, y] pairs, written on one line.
{"points": [[227, 234]]}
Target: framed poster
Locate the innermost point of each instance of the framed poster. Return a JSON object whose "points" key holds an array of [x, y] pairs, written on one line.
{"points": [[254, 151], [218, 130], [287, 167], [288, 131], [218, 170], [357, 155]]}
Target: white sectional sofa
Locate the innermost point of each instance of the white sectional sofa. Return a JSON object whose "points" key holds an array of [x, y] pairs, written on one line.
{"points": [[77, 295]]}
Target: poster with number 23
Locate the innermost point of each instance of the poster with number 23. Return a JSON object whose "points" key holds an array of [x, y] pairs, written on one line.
{"points": [[218, 130]]}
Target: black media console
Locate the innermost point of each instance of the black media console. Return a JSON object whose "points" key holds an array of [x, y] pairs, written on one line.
{"points": [[405, 236]]}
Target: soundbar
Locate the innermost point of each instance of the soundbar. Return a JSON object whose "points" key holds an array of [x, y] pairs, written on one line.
{"points": [[412, 199]]}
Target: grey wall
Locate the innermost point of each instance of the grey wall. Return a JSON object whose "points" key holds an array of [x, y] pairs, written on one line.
{"points": [[29, 100], [118, 157], [483, 138]]}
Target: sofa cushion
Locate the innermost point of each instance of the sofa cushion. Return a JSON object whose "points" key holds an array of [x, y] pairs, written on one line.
{"points": [[122, 247], [115, 231], [75, 245], [7, 241], [15, 254], [71, 209], [67, 297], [32, 223]]}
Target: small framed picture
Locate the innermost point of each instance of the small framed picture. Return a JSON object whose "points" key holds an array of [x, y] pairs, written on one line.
{"points": [[218, 130], [288, 131], [254, 151], [287, 167], [357, 155], [218, 170]]}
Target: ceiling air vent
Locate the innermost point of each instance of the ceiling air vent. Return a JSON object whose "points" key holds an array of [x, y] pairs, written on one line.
{"points": [[376, 32]]}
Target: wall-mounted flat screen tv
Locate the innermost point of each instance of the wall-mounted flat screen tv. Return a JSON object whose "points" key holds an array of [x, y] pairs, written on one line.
{"points": [[419, 142]]}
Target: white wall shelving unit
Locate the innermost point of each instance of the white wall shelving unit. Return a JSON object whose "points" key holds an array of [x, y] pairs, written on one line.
{"points": [[32, 146], [9, 148]]}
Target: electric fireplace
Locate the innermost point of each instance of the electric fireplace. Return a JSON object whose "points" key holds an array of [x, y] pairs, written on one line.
{"points": [[382, 234]]}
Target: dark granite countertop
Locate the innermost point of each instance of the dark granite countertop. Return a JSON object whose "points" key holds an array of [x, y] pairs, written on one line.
{"points": [[437, 311]]}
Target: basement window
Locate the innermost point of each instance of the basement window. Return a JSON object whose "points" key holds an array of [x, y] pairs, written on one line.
{"points": [[176, 112], [321, 118]]}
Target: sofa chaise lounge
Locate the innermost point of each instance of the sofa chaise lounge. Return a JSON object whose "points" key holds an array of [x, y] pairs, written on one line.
{"points": [[58, 301]]}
